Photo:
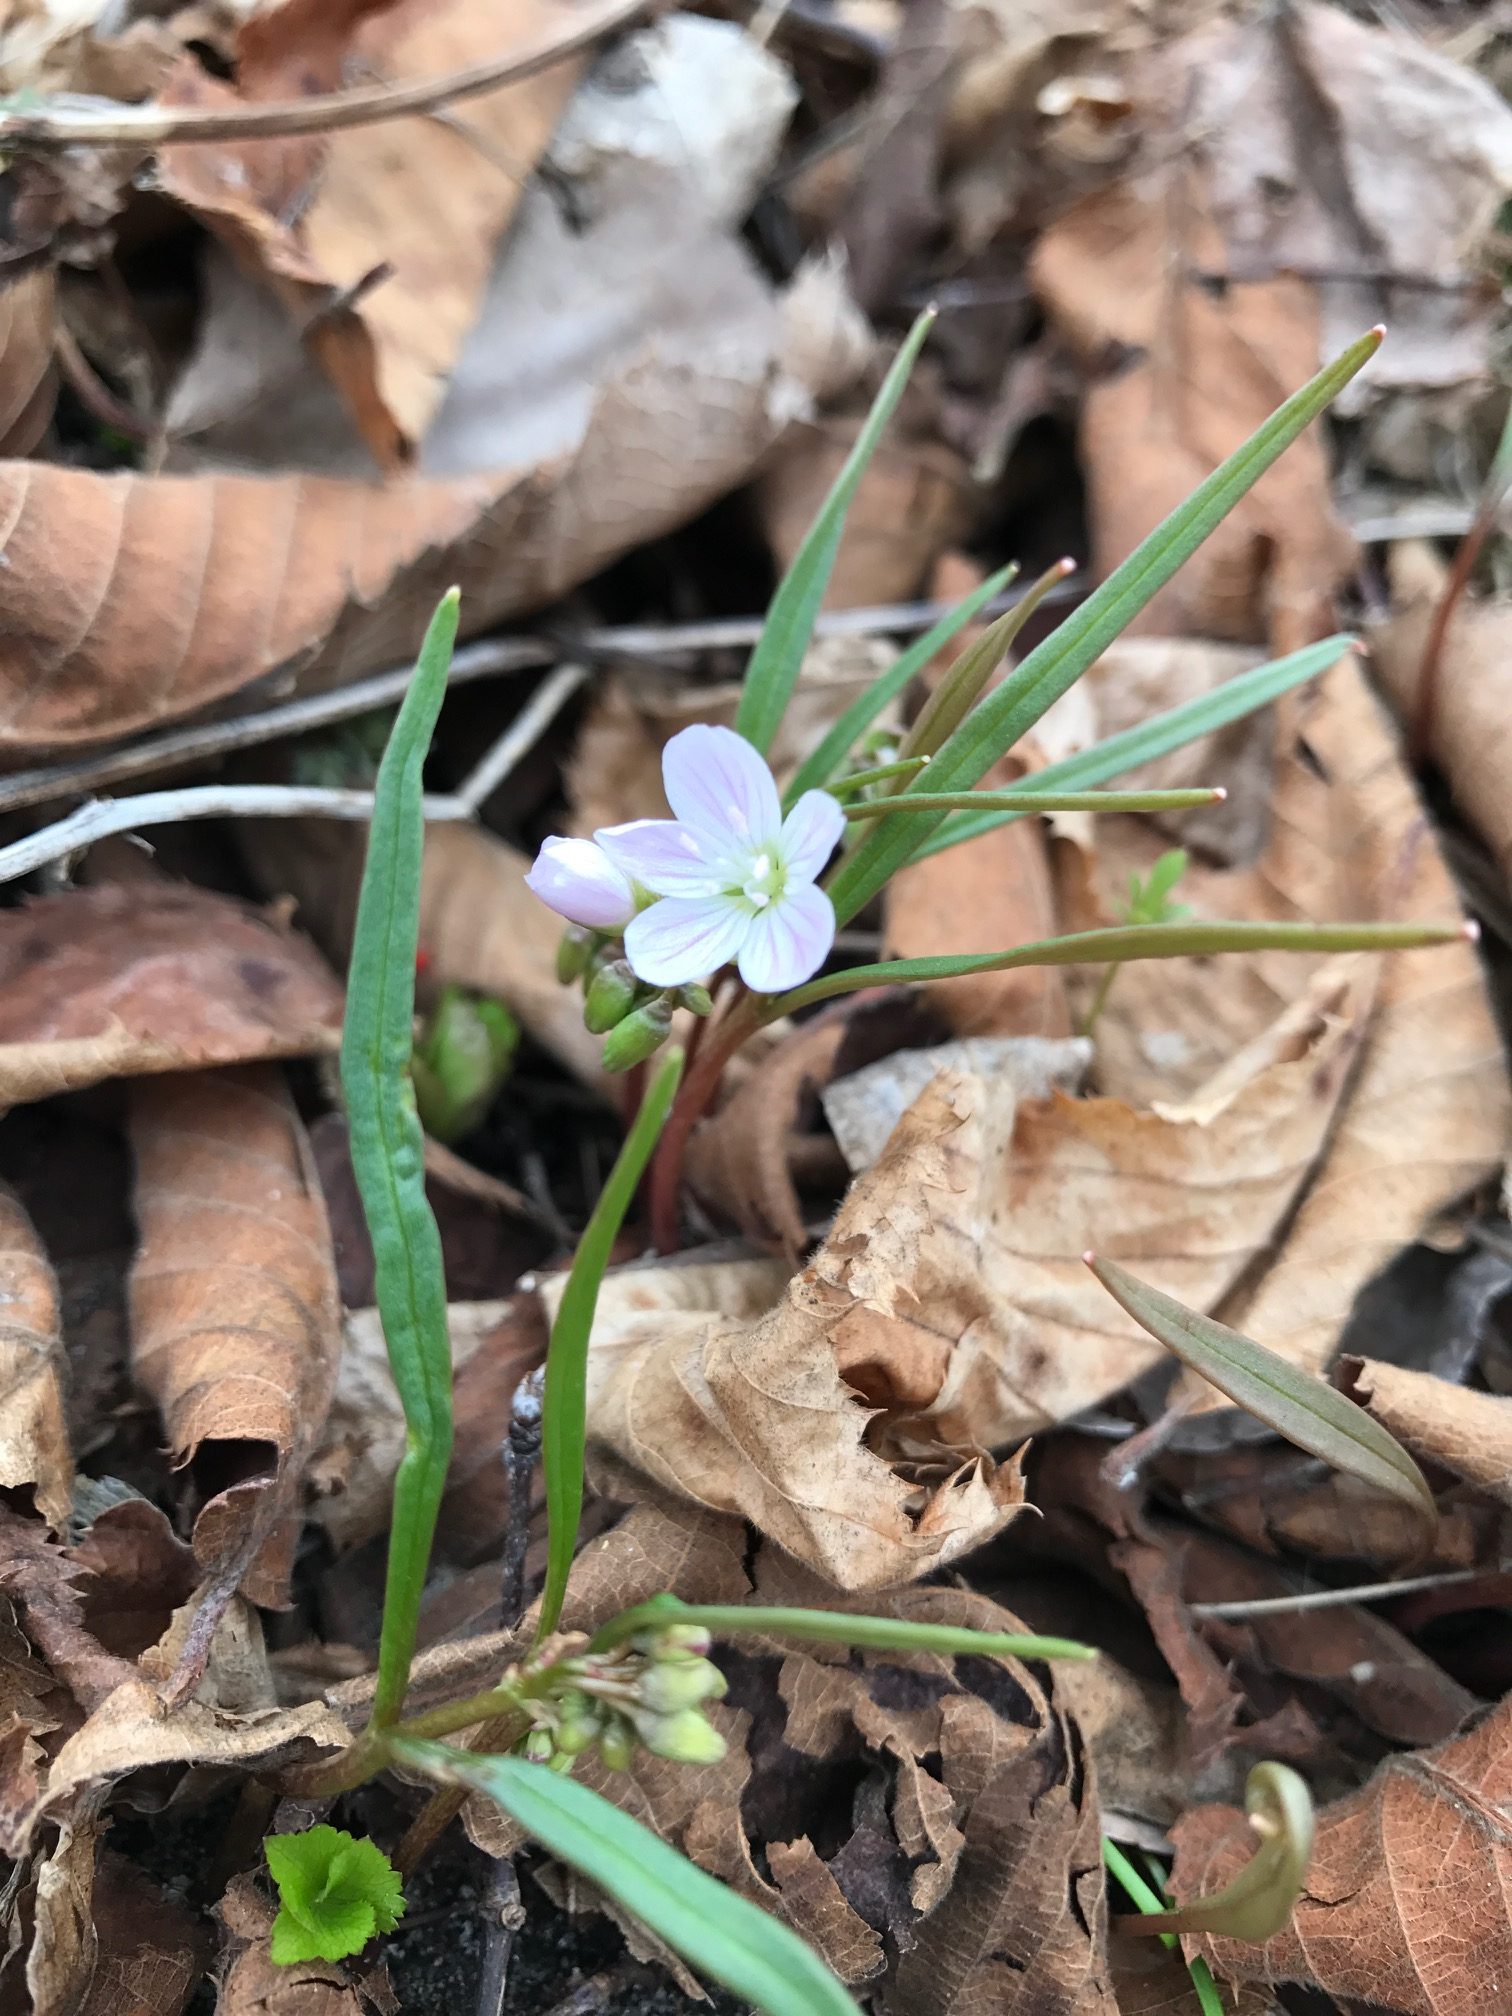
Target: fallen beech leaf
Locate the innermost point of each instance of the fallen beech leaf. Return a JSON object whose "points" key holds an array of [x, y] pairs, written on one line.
{"points": [[27, 307], [34, 1446], [234, 1313], [115, 981], [138, 1572], [255, 1986], [1470, 741], [1304, 1408], [61, 1962], [43, 1584], [1468, 1432], [150, 1950], [423, 197], [1405, 1899]]}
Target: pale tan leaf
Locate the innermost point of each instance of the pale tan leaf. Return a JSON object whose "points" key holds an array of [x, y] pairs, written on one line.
{"points": [[62, 1957], [234, 1311], [1405, 1903], [111, 982], [1468, 1432], [34, 1445]]}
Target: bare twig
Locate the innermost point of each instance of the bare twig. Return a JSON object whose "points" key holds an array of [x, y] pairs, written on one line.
{"points": [[1333, 1599], [180, 746], [155, 126], [506, 1915], [522, 734]]}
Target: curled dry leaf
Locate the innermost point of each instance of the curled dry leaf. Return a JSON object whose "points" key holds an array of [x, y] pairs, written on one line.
{"points": [[1405, 1903], [1469, 1433], [1471, 739], [34, 1447], [43, 1584], [27, 307], [114, 982], [63, 1947], [425, 198], [234, 1313]]}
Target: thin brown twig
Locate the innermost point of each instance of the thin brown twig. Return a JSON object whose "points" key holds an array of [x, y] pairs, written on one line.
{"points": [[153, 126]]}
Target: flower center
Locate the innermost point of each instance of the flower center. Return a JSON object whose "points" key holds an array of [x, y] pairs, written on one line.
{"points": [[764, 880]]}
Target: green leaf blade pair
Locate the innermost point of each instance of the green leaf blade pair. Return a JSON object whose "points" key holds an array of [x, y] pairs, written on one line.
{"points": [[720, 1933], [388, 1151], [1007, 714], [1305, 1409], [564, 1404], [778, 658]]}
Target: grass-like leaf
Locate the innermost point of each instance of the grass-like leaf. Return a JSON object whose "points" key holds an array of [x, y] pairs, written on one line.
{"points": [[1122, 942], [718, 1932], [388, 1153], [1297, 1404], [1245, 693], [778, 658], [833, 1627], [1259, 1901], [821, 766], [1149, 1900], [1007, 713], [564, 1405], [1021, 802]]}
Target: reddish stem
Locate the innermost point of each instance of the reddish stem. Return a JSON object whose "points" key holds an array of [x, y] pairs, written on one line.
{"points": [[692, 1102]]}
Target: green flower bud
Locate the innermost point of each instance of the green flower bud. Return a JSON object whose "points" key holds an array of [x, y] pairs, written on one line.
{"points": [[639, 1036], [577, 1733], [574, 952], [610, 996], [683, 1736], [538, 1747], [674, 1641], [461, 1060], [617, 1746], [696, 999], [681, 1683]]}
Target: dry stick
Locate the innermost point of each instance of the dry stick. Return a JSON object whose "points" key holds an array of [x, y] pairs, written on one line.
{"points": [[180, 746], [1466, 554], [151, 126], [287, 801], [1330, 1599]]}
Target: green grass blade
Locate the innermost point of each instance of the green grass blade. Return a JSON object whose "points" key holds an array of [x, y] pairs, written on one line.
{"points": [[718, 1932], [778, 658], [1019, 803], [1012, 709], [1244, 694], [1297, 1404], [564, 1432], [388, 1153], [1148, 1900], [1126, 941], [833, 1627], [821, 766]]}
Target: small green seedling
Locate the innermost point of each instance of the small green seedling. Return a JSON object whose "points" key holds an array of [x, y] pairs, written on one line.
{"points": [[1149, 903], [461, 1061], [335, 1893]]}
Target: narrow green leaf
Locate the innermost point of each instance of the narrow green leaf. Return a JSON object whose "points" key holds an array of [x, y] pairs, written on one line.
{"points": [[1209, 2001], [1256, 1905], [716, 1931], [388, 1152], [1297, 1404], [821, 766], [1245, 693], [832, 1627], [1022, 802], [1121, 942], [778, 658], [862, 780], [564, 1431], [1007, 713]]}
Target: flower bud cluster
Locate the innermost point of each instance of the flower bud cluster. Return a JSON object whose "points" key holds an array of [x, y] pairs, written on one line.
{"points": [[649, 1693], [635, 1019]]}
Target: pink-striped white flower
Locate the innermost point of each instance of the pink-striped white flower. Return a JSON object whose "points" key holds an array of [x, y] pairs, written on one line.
{"points": [[736, 880], [577, 879]]}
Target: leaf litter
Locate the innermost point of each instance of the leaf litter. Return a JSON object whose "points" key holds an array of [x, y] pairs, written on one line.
{"points": [[588, 343]]}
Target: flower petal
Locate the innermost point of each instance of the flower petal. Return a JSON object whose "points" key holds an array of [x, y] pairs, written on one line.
{"points": [[661, 854], [810, 834], [684, 937], [715, 781], [579, 881], [786, 944]]}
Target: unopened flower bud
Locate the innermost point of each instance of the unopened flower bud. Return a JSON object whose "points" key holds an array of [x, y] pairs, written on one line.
{"points": [[683, 1736], [610, 996], [681, 1683], [696, 999], [573, 953], [639, 1036], [674, 1641], [577, 1733], [538, 1746], [617, 1746]]}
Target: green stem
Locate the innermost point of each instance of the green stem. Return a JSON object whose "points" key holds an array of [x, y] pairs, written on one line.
{"points": [[909, 766], [1028, 802], [1151, 1904], [1099, 999], [831, 1627]]}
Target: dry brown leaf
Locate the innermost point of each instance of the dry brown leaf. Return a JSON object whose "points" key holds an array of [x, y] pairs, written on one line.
{"points": [[62, 1957], [112, 982], [1469, 1433], [138, 1573], [254, 1986], [34, 1446], [32, 1705], [1149, 1980], [1471, 737], [150, 1951], [234, 1313], [43, 1583], [1405, 1902], [27, 308]]}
